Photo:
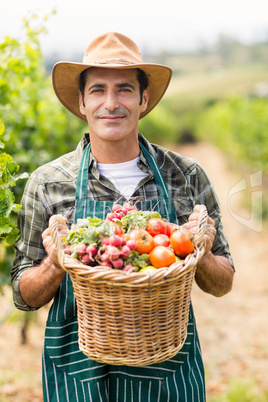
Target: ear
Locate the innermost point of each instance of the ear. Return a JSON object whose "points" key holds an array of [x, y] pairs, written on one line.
{"points": [[145, 99], [81, 104]]}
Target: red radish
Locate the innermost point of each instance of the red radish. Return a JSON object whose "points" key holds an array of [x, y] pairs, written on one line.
{"points": [[124, 210], [110, 216], [131, 243], [129, 268], [118, 215], [85, 259], [105, 257], [105, 241], [92, 250], [81, 249], [67, 249], [112, 252], [118, 263], [116, 207], [115, 240], [130, 207], [107, 264], [125, 251]]}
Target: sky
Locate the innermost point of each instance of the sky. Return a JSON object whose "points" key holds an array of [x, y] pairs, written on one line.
{"points": [[173, 25]]}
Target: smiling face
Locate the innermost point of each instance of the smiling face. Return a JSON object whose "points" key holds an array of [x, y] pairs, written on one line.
{"points": [[112, 104]]}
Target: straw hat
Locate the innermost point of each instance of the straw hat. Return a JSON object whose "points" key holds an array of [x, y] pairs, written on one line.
{"points": [[111, 50]]}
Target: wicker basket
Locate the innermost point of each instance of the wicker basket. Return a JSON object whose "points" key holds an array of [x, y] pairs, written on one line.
{"points": [[132, 319]]}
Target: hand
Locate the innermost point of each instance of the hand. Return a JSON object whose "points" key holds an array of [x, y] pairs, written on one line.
{"points": [[192, 225], [49, 245]]}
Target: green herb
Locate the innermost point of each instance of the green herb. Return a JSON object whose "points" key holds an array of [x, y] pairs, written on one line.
{"points": [[89, 231], [137, 219], [138, 260]]}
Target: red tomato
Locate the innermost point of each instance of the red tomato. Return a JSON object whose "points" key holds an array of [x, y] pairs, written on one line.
{"points": [[170, 228], [182, 242], [156, 226], [161, 240], [161, 256], [144, 241]]}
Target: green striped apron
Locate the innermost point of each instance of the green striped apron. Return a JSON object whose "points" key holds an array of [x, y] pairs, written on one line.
{"points": [[68, 375]]}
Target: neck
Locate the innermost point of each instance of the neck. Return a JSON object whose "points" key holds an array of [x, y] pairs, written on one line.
{"points": [[115, 151]]}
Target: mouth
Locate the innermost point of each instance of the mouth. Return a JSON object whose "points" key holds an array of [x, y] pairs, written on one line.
{"points": [[112, 119]]}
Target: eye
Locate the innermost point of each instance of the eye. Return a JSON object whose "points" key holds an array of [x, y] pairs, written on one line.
{"points": [[96, 90], [124, 90]]}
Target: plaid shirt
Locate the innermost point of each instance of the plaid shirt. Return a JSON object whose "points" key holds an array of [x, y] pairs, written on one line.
{"points": [[51, 190]]}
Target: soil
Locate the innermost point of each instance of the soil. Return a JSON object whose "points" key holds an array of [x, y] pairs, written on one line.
{"points": [[233, 329]]}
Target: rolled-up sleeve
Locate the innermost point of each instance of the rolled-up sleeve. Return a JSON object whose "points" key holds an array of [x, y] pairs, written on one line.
{"points": [[32, 221], [206, 195]]}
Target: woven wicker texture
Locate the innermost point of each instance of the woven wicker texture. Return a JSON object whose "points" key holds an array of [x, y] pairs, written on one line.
{"points": [[132, 319]]}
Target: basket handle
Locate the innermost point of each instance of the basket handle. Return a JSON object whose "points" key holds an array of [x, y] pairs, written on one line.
{"points": [[54, 224], [202, 226]]}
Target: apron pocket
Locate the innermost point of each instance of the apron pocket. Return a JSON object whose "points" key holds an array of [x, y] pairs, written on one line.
{"points": [[61, 347]]}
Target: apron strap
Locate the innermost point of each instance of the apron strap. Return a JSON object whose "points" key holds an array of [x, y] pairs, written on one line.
{"points": [[82, 182], [161, 184], [82, 178]]}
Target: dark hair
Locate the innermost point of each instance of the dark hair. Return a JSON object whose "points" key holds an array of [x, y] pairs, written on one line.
{"points": [[82, 83], [143, 81], [141, 77]]}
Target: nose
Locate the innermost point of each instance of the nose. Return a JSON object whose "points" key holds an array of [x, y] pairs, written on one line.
{"points": [[111, 101]]}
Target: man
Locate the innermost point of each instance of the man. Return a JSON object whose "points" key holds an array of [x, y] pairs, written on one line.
{"points": [[111, 90]]}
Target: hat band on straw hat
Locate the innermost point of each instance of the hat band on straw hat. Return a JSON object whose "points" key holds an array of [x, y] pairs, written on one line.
{"points": [[107, 61]]}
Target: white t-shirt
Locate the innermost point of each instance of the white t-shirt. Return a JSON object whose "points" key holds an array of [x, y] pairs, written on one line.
{"points": [[124, 176]]}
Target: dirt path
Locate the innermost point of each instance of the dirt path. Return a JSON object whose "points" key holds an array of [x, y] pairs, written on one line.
{"points": [[233, 330]]}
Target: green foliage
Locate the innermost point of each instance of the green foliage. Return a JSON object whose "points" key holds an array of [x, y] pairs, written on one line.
{"points": [[8, 179], [38, 127], [239, 126], [201, 81], [137, 219], [9, 232], [159, 126]]}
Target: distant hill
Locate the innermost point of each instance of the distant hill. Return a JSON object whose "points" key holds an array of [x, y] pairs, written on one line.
{"points": [[226, 52]]}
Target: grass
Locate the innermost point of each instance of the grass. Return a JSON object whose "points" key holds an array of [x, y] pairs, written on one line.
{"points": [[241, 390], [192, 92], [217, 83]]}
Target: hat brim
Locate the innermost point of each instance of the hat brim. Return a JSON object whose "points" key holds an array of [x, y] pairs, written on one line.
{"points": [[65, 79]]}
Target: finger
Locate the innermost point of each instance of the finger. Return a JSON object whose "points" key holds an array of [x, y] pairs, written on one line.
{"points": [[197, 208], [193, 217], [62, 230], [191, 226], [46, 233], [48, 242], [210, 221], [211, 231]]}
